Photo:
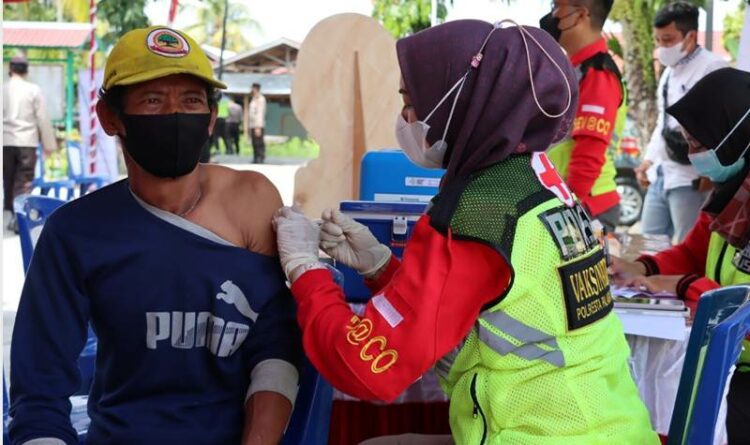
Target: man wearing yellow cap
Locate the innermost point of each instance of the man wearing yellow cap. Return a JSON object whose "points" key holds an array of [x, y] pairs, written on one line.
{"points": [[176, 270]]}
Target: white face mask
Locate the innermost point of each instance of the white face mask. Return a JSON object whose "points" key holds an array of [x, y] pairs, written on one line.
{"points": [[671, 56], [412, 136], [707, 163]]}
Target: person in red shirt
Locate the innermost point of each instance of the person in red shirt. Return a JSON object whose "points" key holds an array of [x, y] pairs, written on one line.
{"points": [[715, 121], [588, 170], [491, 260]]}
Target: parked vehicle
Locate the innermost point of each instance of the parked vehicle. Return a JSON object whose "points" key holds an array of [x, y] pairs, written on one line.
{"points": [[631, 193]]}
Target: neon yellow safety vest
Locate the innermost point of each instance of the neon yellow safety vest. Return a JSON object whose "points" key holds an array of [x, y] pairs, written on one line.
{"points": [[728, 265], [561, 153], [223, 110], [547, 363]]}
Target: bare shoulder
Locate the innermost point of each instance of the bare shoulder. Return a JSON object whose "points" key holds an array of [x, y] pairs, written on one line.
{"points": [[250, 200]]}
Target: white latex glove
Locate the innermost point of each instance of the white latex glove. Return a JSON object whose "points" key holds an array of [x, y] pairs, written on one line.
{"points": [[297, 238], [351, 243]]}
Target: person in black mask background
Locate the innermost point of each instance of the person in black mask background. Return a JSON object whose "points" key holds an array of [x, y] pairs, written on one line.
{"points": [[584, 160], [175, 268]]}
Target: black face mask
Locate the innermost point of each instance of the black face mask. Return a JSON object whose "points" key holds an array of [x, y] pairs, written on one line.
{"points": [[550, 24], [166, 145]]}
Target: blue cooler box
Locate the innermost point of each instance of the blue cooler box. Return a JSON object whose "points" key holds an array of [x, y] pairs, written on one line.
{"points": [[391, 223], [389, 176]]}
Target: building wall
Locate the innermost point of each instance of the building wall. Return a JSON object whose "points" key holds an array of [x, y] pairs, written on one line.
{"points": [[280, 120]]}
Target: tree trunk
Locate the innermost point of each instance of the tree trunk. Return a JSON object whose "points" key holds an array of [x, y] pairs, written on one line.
{"points": [[639, 68]]}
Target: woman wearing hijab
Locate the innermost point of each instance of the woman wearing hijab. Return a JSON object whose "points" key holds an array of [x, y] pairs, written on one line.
{"points": [[715, 117], [502, 287]]}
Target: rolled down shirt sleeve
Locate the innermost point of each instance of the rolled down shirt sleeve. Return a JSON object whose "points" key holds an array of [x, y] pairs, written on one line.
{"points": [[49, 333], [428, 306]]}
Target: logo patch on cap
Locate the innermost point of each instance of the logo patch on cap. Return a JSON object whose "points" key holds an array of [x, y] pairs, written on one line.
{"points": [[168, 43]]}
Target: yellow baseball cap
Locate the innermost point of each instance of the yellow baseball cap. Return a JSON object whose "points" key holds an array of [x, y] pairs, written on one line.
{"points": [[150, 53]]}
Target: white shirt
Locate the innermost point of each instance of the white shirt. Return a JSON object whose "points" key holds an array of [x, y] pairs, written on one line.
{"points": [[25, 120], [257, 112], [681, 77]]}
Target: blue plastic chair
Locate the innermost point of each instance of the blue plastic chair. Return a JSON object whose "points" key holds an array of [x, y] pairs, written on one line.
{"points": [[312, 410], [31, 213], [59, 187], [721, 322], [76, 170], [6, 406]]}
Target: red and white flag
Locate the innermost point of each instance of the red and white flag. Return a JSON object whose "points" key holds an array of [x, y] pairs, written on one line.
{"points": [[172, 12]]}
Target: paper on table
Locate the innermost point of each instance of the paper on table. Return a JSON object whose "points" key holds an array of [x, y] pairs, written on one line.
{"points": [[630, 292]]}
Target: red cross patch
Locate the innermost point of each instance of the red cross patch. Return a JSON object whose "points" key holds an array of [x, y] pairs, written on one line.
{"points": [[550, 179]]}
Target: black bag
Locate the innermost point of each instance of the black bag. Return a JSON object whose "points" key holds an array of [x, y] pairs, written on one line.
{"points": [[677, 146]]}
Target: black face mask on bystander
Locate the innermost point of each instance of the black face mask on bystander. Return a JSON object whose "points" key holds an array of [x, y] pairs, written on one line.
{"points": [[166, 145], [551, 24]]}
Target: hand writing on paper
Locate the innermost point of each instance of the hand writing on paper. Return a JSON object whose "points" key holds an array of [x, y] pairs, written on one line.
{"points": [[622, 270]]}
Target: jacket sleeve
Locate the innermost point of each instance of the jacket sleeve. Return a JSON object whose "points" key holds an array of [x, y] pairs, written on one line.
{"points": [[426, 309], [600, 96], [377, 284], [49, 334], [688, 257], [691, 287]]}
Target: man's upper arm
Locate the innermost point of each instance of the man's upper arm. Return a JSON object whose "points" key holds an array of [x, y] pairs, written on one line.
{"points": [[259, 201], [600, 97]]}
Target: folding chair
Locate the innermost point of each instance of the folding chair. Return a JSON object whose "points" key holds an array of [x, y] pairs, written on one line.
{"points": [[31, 213], [721, 322], [76, 170]]}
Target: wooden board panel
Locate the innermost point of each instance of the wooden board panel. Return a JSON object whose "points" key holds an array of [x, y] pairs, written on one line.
{"points": [[324, 101]]}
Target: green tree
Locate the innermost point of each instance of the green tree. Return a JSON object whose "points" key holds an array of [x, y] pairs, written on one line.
{"points": [[210, 17], [636, 18], [732, 29], [404, 17], [37, 11], [44, 11], [122, 16], [76, 10]]}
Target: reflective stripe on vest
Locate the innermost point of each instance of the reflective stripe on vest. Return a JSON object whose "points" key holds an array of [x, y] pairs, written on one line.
{"points": [[529, 339]]}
